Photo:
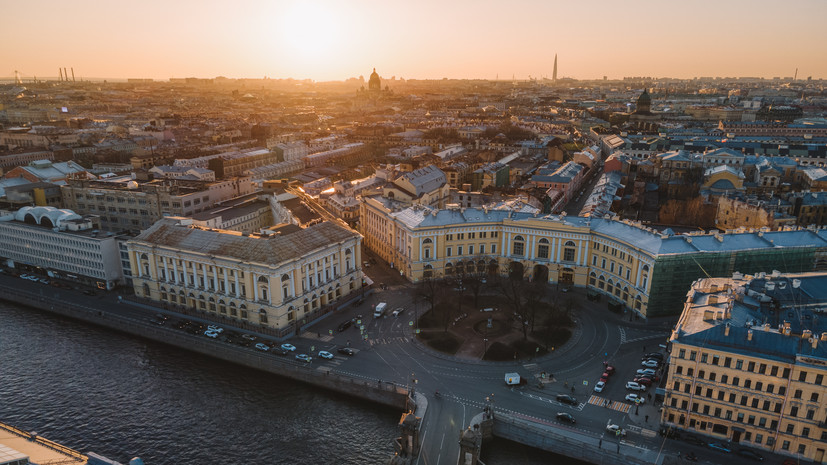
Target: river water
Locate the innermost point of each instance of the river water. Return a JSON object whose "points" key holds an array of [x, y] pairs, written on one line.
{"points": [[120, 396]]}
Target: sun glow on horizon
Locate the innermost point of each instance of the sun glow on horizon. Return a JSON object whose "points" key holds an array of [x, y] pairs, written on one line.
{"points": [[310, 32]]}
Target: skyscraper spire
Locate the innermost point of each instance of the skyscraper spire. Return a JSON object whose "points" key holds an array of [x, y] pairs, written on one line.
{"points": [[554, 74]]}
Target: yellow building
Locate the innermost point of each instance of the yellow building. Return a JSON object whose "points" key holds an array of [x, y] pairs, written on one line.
{"points": [[421, 242], [748, 363], [278, 282]]}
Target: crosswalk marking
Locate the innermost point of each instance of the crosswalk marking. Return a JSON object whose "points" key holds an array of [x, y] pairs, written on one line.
{"points": [[614, 405]]}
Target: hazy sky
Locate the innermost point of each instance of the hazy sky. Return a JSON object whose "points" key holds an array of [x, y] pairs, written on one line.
{"points": [[338, 39]]}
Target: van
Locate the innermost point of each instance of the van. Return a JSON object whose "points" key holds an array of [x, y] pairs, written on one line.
{"points": [[380, 309]]}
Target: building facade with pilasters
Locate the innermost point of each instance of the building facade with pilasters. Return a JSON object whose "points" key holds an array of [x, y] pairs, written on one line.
{"points": [[276, 281]]}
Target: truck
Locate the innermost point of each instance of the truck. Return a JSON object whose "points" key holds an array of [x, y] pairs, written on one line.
{"points": [[513, 379], [380, 309]]}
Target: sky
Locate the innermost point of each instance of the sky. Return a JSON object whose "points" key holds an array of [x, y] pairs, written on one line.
{"points": [[328, 40]]}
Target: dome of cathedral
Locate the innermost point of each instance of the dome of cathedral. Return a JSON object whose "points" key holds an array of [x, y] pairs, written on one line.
{"points": [[374, 83]]}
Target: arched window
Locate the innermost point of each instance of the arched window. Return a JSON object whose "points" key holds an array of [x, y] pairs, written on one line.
{"points": [[568, 251], [518, 246], [592, 279], [233, 310], [202, 303], [460, 268], [610, 287], [542, 249], [285, 277], [262, 315], [222, 307], [638, 303], [347, 259], [449, 269], [426, 248], [625, 293], [481, 266], [601, 283], [212, 304], [428, 272]]}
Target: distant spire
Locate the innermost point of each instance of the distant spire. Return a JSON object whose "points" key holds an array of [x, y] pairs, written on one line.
{"points": [[554, 73]]}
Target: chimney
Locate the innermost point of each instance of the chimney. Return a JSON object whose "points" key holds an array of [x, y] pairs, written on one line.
{"points": [[726, 330], [786, 329], [749, 335], [806, 334], [814, 342], [796, 283]]}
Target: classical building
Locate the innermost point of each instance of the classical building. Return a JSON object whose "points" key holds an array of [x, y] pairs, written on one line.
{"points": [[276, 281], [645, 270], [748, 363], [424, 186], [60, 244]]}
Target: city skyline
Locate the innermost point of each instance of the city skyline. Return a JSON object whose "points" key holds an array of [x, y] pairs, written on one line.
{"points": [[331, 41]]}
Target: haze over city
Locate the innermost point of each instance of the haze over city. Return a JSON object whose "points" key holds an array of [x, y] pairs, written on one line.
{"points": [[330, 40]]}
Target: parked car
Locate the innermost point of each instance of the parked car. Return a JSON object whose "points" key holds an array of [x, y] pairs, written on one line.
{"points": [[694, 440], [217, 329], [604, 377], [643, 381], [248, 337], [398, 311], [566, 399], [288, 347], [563, 416], [719, 447], [278, 351], [304, 357], [599, 386], [633, 386], [345, 325], [609, 369], [650, 363], [346, 351], [751, 454], [654, 355], [211, 334], [645, 371], [325, 354], [635, 398], [262, 347]]}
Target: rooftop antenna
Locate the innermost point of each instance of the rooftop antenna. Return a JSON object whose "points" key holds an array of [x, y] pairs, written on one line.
{"points": [[60, 74], [65, 74], [795, 76], [73, 74]]}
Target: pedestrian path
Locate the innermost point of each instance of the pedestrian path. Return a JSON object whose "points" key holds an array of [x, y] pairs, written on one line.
{"points": [[645, 432], [622, 407], [388, 340]]}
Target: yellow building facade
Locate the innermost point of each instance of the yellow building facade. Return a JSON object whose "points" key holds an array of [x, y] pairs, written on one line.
{"points": [[748, 364], [279, 282]]}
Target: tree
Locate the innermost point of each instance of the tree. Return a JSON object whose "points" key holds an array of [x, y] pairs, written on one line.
{"points": [[523, 295]]}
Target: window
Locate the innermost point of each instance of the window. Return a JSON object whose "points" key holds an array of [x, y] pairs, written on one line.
{"points": [[751, 367], [448, 252], [518, 247], [739, 364], [797, 394], [819, 379], [568, 251], [814, 397], [802, 376], [542, 249]]}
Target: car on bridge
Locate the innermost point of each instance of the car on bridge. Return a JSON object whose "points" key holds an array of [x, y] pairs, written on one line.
{"points": [[288, 347], [304, 358], [262, 347], [615, 429], [567, 417]]}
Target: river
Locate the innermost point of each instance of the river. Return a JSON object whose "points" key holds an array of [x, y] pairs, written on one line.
{"points": [[122, 397]]}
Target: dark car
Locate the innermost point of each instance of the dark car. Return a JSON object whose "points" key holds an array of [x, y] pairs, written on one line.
{"points": [[566, 399], [609, 369], [654, 355], [89, 292], [278, 350], [644, 381], [345, 325], [563, 416], [346, 351], [751, 454]]}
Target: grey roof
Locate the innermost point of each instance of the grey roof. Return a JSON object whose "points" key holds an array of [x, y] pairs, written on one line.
{"points": [[425, 179], [270, 250]]}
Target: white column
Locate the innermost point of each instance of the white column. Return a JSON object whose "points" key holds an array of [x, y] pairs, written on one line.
{"points": [[166, 269], [214, 278], [226, 282], [436, 249], [237, 286], [533, 239], [140, 265], [194, 275], [175, 270], [507, 246], [637, 277], [270, 287], [559, 248], [580, 256], [255, 287]]}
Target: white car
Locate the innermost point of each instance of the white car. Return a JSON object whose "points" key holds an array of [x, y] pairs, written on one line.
{"points": [[217, 329], [304, 358], [646, 371], [633, 386], [650, 363], [288, 347], [615, 429], [325, 354], [262, 347], [635, 398], [210, 333], [599, 386], [398, 311]]}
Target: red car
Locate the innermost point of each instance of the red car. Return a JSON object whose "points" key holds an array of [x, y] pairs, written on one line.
{"points": [[610, 370], [604, 377], [644, 381]]}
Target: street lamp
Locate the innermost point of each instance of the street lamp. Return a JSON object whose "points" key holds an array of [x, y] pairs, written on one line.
{"points": [[485, 347]]}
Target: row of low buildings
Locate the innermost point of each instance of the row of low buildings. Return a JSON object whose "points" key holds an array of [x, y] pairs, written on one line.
{"points": [[278, 279]]}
